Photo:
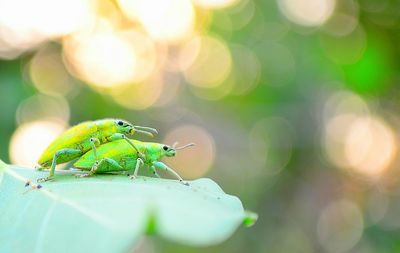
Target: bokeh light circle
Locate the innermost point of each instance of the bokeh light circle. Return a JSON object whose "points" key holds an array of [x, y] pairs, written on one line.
{"points": [[307, 12], [30, 140], [48, 73], [212, 63], [246, 71], [43, 107], [139, 96], [215, 93], [354, 139], [25, 24], [271, 143], [366, 145], [347, 49], [195, 161], [341, 24], [340, 226], [166, 20], [104, 59], [370, 146], [345, 102], [215, 4], [146, 52]]}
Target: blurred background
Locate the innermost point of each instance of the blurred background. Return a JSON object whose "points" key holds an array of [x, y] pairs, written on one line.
{"points": [[293, 104]]}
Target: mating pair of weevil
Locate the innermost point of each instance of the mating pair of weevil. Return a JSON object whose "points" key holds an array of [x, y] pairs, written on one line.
{"points": [[103, 147]]}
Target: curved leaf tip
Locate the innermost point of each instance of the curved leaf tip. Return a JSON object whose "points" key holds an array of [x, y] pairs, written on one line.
{"points": [[250, 218]]}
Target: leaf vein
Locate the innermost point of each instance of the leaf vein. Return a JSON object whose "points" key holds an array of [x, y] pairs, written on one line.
{"points": [[90, 214]]}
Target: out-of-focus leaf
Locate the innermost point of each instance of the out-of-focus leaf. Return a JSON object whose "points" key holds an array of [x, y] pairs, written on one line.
{"points": [[109, 213], [250, 219]]}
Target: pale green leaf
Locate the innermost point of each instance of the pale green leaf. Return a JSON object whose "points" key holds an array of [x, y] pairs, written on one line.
{"points": [[109, 213]]}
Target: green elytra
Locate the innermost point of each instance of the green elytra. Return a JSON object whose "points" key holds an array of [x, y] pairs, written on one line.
{"points": [[86, 136], [119, 156]]}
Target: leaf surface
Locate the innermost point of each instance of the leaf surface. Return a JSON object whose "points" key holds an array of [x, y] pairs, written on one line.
{"points": [[109, 213]]}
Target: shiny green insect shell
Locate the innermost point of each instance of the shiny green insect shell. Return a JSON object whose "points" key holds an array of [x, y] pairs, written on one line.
{"points": [[79, 139], [119, 156], [123, 153]]}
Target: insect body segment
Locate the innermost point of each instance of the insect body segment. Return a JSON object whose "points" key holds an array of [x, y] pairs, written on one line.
{"points": [[120, 156], [87, 136]]}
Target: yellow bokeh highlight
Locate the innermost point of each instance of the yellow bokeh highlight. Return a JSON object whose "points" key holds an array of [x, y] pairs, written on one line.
{"points": [[369, 146], [356, 140], [48, 73], [212, 63], [215, 4], [139, 96], [307, 12], [165, 20], [31, 139], [147, 54], [25, 24], [43, 107], [103, 58], [188, 53], [243, 78], [192, 162], [214, 93], [120, 47]]}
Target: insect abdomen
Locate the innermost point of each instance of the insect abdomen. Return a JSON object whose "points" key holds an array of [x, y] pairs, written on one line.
{"points": [[118, 150], [76, 137]]}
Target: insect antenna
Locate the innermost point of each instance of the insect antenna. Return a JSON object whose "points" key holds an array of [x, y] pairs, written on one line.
{"points": [[185, 146]]}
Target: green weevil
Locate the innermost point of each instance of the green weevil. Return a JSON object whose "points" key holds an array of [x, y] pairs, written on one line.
{"points": [[86, 136], [119, 156]]}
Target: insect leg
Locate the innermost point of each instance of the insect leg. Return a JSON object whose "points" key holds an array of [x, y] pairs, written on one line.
{"points": [[104, 165], [163, 166], [94, 142], [119, 136], [153, 169], [137, 150], [139, 162], [66, 154]]}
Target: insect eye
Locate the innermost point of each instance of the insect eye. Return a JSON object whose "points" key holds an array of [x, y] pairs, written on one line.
{"points": [[165, 148], [120, 123]]}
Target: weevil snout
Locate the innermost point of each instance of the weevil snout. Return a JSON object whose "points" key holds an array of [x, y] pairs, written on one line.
{"points": [[169, 151], [144, 130]]}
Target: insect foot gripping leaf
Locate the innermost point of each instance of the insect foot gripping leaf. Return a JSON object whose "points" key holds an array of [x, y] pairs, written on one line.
{"points": [[109, 213]]}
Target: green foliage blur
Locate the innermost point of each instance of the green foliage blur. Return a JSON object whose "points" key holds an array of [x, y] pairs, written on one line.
{"points": [[273, 147]]}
